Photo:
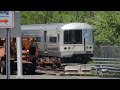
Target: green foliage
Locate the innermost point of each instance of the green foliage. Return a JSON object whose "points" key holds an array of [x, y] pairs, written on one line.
{"points": [[106, 24]]}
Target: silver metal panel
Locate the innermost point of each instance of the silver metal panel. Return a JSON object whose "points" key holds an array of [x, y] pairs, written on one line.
{"points": [[76, 26], [57, 49], [41, 26], [54, 26]]}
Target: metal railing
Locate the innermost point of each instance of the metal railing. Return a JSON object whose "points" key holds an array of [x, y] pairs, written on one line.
{"points": [[107, 51], [107, 59]]}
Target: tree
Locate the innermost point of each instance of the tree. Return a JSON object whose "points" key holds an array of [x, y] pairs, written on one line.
{"points": [[106, 24]]}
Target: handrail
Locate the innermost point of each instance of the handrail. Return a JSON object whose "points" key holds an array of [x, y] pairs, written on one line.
{"points": [[105, 58]]}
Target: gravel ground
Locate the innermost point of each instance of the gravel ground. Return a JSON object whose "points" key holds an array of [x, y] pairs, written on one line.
{"points": [[53, 77]]}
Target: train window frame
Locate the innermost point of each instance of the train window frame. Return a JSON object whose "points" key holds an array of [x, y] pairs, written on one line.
{"points": [[40, 39], [58, 37], [68, 39], [51, 38]]}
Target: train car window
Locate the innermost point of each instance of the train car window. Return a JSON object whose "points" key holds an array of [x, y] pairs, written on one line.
{"points": [[78, 36], [73, 37], [38, 39], [45, 35], [66, 37], [53, 39]]}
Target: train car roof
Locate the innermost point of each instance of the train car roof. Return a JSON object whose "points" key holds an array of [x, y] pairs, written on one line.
{"points": [[53, 26]]}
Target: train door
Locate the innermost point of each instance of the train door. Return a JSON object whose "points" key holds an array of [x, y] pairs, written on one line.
{"points": [[45, 42]]}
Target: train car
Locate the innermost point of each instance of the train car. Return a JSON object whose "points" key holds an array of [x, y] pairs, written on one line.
{"points": [[68, 41]]}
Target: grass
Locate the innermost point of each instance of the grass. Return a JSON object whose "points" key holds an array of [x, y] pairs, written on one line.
{"points": [[91, 62]]}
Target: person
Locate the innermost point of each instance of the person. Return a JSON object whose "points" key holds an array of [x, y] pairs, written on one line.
{"points": [[33, 48], [2, 57], [32, 54], [13, 50], [13, 55], [26, 43], [2, 50]]}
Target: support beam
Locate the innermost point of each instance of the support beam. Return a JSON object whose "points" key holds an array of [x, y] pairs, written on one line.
{"points": [[19, 58], [8, 53]]}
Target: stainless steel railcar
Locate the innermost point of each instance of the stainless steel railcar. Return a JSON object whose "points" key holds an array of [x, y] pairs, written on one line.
{"points": [[64, 40]]}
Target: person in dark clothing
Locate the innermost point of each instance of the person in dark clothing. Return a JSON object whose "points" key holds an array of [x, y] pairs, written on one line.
{"points": [[2, 56], [32, 53], [32, 50]]}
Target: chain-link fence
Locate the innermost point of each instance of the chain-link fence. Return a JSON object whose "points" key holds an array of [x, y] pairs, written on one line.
{"points": [[107, 60], [107, 51]]}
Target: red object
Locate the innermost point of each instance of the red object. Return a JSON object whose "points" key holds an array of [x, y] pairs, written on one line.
{"points": [[4, 21]]}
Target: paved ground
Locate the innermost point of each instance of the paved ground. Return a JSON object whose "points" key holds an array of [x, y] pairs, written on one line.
{"points": [[53, 77]]}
